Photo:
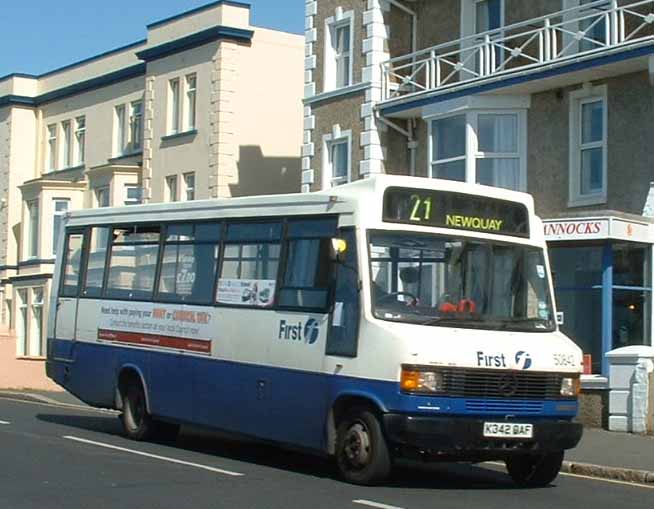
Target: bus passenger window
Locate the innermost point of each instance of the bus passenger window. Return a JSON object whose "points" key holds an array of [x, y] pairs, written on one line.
{"points": [[306, 278], [189, 262], [250, 261], [73, 259], [133, 262], [96, 261]]}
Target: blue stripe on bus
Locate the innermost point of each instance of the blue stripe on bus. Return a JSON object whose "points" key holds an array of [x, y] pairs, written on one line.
{"points": [[273, 403]]}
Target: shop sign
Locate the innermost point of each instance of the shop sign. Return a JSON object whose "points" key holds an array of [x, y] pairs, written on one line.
{"points": [[575, 230]]}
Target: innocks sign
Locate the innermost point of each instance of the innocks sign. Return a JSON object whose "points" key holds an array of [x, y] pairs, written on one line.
{"points": [[572, 230]]}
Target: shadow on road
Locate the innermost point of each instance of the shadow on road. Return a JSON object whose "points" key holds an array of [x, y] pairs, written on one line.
{"points": [[411, 475]]}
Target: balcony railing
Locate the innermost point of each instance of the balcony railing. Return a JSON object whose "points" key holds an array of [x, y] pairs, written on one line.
{"points": [[555, 38]]}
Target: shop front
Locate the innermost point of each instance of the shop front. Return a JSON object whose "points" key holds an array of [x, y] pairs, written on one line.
{"points": [[602, 272]]}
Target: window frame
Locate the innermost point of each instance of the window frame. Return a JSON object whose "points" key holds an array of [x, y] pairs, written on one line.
{"points": [[190, 101], [188, 188], [329, 140], [58, 215], [170, 196], [136, 125], [67, 145], [52, 142], [586, 95], [120, 134], [80, 140], [331, 66], [472, 151], [174, 106], [34, 229]]}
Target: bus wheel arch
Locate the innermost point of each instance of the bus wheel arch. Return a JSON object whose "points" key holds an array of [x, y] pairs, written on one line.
{"points": [[132, 395], [356, 439]]}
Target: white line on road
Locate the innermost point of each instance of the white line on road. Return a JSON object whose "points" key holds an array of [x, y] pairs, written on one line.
{"points": [[370, 503], [5, 422], [154, 456]]}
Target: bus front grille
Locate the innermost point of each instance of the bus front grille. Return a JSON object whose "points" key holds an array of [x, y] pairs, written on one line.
{"points": [[515, 385]]}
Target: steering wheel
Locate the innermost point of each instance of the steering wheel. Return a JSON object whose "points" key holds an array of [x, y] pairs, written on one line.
{"points": [[397, 294]]}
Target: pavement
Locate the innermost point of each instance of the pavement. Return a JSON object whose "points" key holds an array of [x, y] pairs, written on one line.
{"points": [[602, 454]]}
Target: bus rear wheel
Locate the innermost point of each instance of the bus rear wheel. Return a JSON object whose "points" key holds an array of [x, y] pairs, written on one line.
{"points": [[535, 470], [137, 423], [362, 455]]}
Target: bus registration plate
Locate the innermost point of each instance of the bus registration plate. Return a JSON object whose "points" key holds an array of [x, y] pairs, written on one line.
{"points": [[508, 430]]}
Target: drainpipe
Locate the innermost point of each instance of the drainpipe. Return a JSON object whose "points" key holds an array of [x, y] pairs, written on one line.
{"points": [[414, 23], [412, 143]]}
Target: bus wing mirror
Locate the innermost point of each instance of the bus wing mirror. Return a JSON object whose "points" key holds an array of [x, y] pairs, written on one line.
{"points": [[338, 249]]}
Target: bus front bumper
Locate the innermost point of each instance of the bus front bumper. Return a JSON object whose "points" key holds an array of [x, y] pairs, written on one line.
{"points": [[464, 435]]}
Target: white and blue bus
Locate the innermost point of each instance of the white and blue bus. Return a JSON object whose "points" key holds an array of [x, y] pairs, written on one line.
{"points": [[391, 317]]}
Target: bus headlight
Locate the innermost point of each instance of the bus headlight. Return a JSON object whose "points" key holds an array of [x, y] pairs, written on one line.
{"points": [[418, 380], [570, 386]]}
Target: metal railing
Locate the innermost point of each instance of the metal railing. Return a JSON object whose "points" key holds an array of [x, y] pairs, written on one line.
{"points": [[564, 35]]}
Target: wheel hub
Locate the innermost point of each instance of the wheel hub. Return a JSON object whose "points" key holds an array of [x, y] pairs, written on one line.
{"points": [[357, 445]]}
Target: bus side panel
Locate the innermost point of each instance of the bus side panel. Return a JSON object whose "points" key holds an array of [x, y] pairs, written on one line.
{"points": [[170, 385]]}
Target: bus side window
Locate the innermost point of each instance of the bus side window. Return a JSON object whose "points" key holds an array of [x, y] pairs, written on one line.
{"points": [[305, 283], [250, 263], [133, 262], [189, 261], [72, 264], [343, 336], [95, 265]]}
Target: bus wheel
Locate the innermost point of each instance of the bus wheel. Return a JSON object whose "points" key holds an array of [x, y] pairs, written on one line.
{"points": [[362, 455], [535, 470], [137, 424]]}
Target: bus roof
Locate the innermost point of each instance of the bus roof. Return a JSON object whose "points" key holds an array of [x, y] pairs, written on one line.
{"points": [[361, 200]]}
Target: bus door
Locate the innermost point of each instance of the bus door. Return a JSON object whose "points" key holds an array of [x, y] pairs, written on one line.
{"points": [[343, 332], [67, 296]]}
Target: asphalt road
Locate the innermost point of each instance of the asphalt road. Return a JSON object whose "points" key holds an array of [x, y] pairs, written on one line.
{"points": [[54, 457]]}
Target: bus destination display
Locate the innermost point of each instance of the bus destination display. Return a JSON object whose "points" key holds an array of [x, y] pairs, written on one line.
{"points": [[445, 209]]}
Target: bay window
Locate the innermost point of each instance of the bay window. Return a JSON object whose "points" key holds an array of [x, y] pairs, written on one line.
{"points": [[480, 146]]}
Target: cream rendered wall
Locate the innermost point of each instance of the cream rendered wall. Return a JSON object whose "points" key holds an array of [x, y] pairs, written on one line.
{"points": [[268, 113], [98, 108], [183, 153], [21, 169], [221, 14]]}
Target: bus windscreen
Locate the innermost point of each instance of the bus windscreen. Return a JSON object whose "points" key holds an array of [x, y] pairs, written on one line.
{"points": [[459, 211]]}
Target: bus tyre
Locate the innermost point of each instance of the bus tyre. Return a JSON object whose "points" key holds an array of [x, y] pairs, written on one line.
{"points": [[535, 470], [362, 455], [137, 424]]}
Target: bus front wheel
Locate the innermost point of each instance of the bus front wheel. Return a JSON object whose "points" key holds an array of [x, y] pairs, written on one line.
{"points": [[137, 423], [362, 455], [535, 470]]}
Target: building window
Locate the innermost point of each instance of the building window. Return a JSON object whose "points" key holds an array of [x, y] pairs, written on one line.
{"points": [[120, 138], [51, 163], [488, 15], [33, 233], [66, 145], [482, 147], [189, 186], [588, 146], [132, 194], [173, 106], [21, 328], [136, 125], [337, 161], [80, 140], [36, 326], [102, 197], [189, 107], [61, 206], [593, 26], [449, 148], [171, 188], [338, 48]]}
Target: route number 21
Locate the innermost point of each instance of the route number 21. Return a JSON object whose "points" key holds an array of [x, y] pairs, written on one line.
{"points": [[421, 208]]}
